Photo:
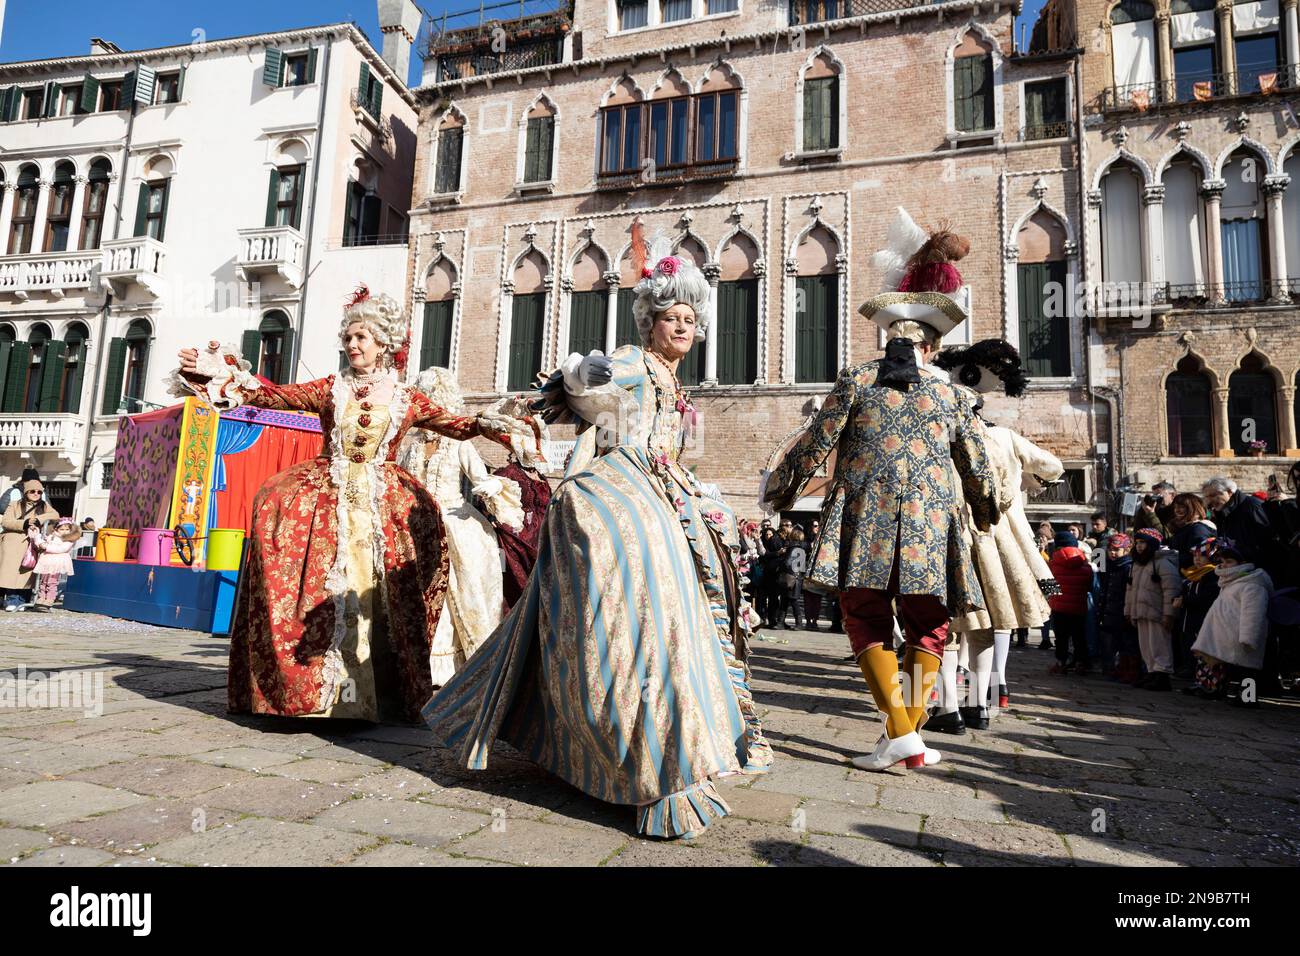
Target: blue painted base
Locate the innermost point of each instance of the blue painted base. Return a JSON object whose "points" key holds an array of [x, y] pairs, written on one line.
{"points": [[167, 596]]}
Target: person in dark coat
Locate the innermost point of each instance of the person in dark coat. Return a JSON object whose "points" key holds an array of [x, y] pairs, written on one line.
{"points": [[1119, 639], [1073, 572], [1241, 518], [1200, 588], [1190, 526]]}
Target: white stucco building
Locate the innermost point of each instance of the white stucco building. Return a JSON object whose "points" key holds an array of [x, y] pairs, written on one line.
{"points": [[235, 189]]}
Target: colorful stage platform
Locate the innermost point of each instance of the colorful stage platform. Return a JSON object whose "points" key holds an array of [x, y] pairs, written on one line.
{"points": [[154, 594]]}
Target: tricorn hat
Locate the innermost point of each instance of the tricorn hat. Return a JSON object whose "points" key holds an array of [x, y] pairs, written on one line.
{"points": [[985, 366], [921, 282]]}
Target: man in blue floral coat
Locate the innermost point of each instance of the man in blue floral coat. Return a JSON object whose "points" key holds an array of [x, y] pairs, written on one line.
{"points": [[889, 534]]}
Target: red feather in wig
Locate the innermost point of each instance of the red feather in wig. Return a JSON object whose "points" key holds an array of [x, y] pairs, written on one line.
{"points": [[931, 267], [361, 295], [639, 249]]}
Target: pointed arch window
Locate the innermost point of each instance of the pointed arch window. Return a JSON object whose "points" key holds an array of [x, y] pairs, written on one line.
{"points": [[1252, 406], [439, 315], [1189, 410], [1042, 286], [817, 294], [1244, 238], [588, 304], [528, 310], [737, 318], [972, 85]]}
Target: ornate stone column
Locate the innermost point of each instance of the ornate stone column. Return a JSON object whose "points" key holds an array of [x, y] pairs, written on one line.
{"points": [[1212, 193], [1227, 49], [612, 282], [1222, 440], [1274, 187], [42, 216], [78, 205], [1153, 206], [711, 270], [1291, 32], [1165, 57], [1286, 420]]}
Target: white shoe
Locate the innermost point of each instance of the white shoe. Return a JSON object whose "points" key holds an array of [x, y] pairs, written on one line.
{"points": [[932, 757], [908, 749]]}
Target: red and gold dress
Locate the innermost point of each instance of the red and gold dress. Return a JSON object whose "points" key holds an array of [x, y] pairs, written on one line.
{"points": [[346, 571]]}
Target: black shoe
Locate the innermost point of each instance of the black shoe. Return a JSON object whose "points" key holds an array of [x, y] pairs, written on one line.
{"points": [[976, 718], [946, 724], [1156, 682], [1045, 646]]}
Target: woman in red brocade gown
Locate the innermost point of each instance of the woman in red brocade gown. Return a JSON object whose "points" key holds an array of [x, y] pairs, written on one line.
{"points": [[346, 573], [519, 548]]}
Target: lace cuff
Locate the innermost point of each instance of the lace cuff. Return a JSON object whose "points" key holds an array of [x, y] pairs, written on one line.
{"points": [[221, 377], [504, 501], [523, 436]]}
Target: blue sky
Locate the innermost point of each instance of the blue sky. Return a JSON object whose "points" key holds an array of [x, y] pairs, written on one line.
{"points": [[34, 29]]}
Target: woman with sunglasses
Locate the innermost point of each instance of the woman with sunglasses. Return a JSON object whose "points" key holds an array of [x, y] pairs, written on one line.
{"points": [[31, 510]]}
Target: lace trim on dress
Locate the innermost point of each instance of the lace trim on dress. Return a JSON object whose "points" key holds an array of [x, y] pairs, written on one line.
{"points": [[228, 376]]}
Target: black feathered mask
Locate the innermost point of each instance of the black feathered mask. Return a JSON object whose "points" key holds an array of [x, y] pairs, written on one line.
{"points": [[984, 367]]}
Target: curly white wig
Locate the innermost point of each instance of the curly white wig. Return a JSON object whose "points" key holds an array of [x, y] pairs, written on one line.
{"points": [[382, 315], [441, 387], [672, 280]]}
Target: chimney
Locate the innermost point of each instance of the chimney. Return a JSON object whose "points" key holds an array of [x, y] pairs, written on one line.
{"points": [[399, 21], [100, 46]]}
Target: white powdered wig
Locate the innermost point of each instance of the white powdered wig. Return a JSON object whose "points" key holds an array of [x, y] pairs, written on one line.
{"points": [[673, 279], [383, 316], [441, 388]]}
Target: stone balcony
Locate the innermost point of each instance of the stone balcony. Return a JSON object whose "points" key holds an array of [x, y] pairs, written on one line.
{"points": [[271, 250], [55, 273], [32, 433], [137, 261]]}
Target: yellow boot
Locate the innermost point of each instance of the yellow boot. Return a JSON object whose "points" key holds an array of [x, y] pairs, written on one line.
{"points": [[920, 671]]}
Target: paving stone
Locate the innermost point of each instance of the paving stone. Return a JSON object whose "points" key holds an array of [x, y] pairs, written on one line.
{"points": [[163, 776], [66, 856], [921, 802], [1106, 851], [676, 853], [245, 758], [400, 854], [530, 843], [1086, 788], [58, 758], [824, 850], [406, 821], [769, 843], [995, 844], [277, 797], [318, 769], [371, 753], [154, 821], [257, 842], [769, 806], [827, 781], [14, 842], [49, 802], [842, 819], [395, 783]]}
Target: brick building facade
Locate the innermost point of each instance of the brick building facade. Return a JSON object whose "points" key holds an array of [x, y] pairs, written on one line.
{"points": [[797, 141]]}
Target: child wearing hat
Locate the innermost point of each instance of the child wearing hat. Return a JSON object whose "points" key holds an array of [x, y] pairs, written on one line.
{"points": [[1153, 585], [54, 564], [1232, 638], [1073, 573], [1119, 640]]}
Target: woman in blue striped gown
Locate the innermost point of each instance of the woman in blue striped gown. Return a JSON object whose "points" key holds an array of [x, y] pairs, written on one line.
{"points": [[622, 669]]}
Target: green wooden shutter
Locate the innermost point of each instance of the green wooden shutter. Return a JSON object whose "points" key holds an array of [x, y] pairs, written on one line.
{"points": [[833, 112], [16, 384], [532, 149], [6, 351], [820, 114], [626, 333], [449, 150], [691, 369], [435, 342], [52, 363], [587, 315], [9, 100], [378, 100], [180, 86], [287, 363], [526, 328], [1044, 339], [363, 87], [50, 100], [71, 402], [545, 143], [816, 329], [299, 189], [272, 67], [1034, 109], [737, 332], [962, 80], [141, 209], [251, 347], [113, 376], [89, 98], [162, 215], [272, 194], [143, 82], [311, 65]]}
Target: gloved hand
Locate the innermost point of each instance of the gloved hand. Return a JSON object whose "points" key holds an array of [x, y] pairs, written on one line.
{"points": [[595, 370]]}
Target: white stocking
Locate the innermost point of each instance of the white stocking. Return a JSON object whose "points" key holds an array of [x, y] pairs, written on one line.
{"points": [[948, 682], [1001, 649], [980, 669]]}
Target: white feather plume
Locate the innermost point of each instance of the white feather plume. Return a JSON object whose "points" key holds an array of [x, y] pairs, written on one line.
{"points": [[902, 239], [658, 246]]}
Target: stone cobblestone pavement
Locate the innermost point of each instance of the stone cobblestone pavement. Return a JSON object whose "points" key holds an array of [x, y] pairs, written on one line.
{"points": [[1077, 772]]}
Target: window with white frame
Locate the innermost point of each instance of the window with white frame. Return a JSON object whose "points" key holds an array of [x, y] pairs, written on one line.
{"points": [[449, 154], [972, 85]]}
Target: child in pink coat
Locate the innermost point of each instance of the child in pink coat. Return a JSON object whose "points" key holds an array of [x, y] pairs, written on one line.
{"points": [[54, 565]]}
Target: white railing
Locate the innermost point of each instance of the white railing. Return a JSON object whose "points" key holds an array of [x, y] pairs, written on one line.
{"points": [[62, 434], [272, 249], [137, 255], [49, 272]]}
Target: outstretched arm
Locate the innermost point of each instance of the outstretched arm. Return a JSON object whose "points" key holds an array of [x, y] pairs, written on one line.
{"points": [[802, 461], [523, 437]]}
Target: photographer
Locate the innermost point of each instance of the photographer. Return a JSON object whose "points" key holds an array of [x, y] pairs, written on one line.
{"points": [[1148, 514]]}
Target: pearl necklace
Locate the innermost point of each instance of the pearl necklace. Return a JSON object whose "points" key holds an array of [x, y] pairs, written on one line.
{"points": [[362, 382]]}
